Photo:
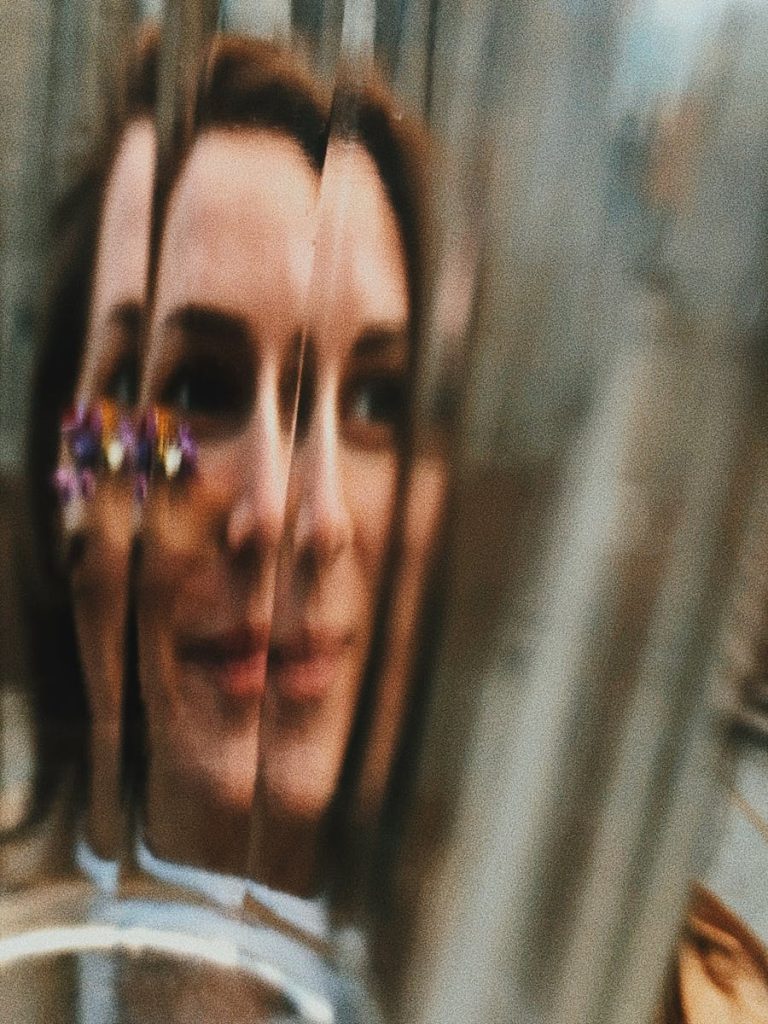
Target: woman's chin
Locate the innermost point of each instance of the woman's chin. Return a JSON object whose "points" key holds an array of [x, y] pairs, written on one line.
{"points": [[296, 797], [228, 790], [211, 778]]}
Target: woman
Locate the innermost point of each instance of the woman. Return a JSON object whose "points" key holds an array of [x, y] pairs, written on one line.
{"points": [[88, 361], [222, 362], [347, 482]]}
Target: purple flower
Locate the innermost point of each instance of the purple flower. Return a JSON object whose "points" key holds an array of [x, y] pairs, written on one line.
{"points": [[81, 430], [149, 425], [188, 446], [84, 445], [65, 483], [144, 438], [126, 433], [87, 479]]}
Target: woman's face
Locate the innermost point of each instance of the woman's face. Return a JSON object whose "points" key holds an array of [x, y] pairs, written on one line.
{"points": [[98, 530], [342, 488], [223, 354]]}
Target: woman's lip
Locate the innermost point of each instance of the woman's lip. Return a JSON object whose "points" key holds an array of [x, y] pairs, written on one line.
{"points": [[310, 643], [234, 661], [304, 668]]}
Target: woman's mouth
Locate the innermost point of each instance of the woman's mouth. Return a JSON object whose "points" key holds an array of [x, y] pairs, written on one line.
{"points": [[234, 662], [304, 669]]}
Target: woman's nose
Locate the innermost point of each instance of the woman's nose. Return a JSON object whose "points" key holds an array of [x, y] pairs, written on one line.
{"points": [[256, 516], [322, 527]]}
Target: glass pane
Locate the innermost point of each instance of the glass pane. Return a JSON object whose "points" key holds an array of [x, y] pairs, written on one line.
{"points": [[382, 573]]}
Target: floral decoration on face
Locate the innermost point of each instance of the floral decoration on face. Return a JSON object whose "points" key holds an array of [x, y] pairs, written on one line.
{"points": [[97, 437], [165, 445], [103, 438]]}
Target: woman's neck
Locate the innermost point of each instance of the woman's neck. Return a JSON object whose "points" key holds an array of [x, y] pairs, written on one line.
{"points": [[285, 853], [185, 826]]}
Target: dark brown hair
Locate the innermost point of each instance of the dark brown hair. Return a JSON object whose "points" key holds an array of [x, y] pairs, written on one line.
{"points": [[60, 706], [364, 112]]}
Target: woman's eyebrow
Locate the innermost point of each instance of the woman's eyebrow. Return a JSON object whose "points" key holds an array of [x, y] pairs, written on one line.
{"points": [[127, 316], [122, 325], [206, 322], [381, 340]]}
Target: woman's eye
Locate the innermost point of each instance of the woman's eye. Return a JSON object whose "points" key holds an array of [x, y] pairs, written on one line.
{"points": [[122, 386], [375, 407], [208, 392]]}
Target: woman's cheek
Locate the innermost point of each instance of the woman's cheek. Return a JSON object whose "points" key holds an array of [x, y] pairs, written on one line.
{"points": [[370, 486], [179, 517], [99, 582], [172, 531], [105, 523]]}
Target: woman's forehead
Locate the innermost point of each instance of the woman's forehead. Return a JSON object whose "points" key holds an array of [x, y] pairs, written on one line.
{"points": [[232, 171], [122, 253], [360, 264], [123, 244], [240, 225]]}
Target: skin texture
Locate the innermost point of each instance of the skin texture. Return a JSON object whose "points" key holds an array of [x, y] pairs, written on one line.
{"points": [[97, 532], [245, 241], [339, 512], [223, 354]]}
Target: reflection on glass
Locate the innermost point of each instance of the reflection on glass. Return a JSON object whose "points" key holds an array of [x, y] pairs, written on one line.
{"points": [[423, 508], [86, 386], [324, 700], [557, 867], [222, 358], [98, 528], [345, 483]]}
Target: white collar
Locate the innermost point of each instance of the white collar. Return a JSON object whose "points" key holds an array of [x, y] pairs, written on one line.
{"points": [[101, 871], [224, 890]]}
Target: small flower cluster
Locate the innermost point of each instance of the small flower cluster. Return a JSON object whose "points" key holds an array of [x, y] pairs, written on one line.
{"points": [[102, 437], [164, 445]]}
